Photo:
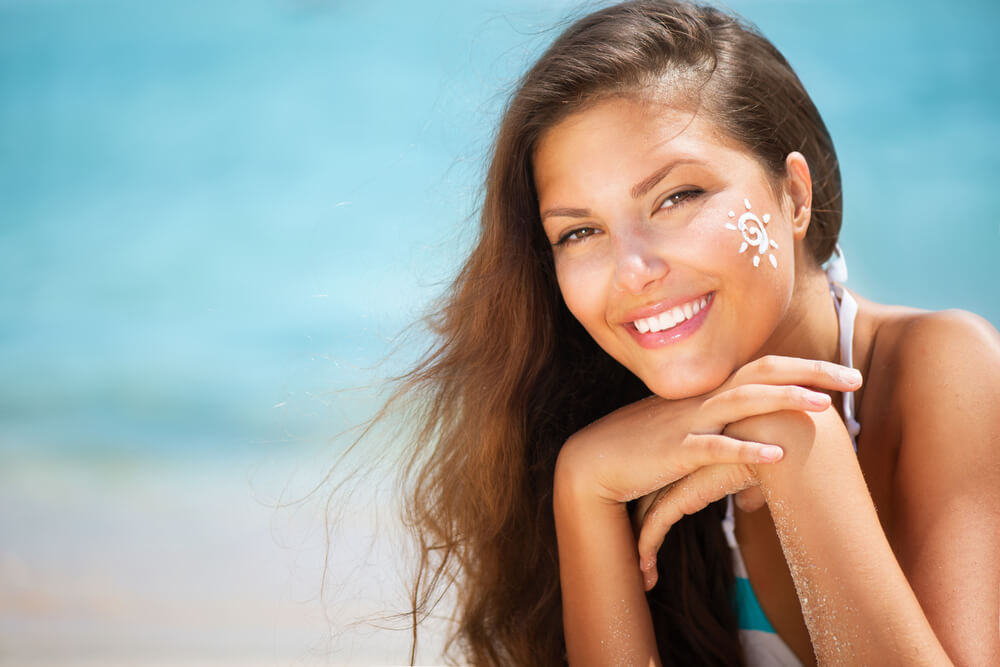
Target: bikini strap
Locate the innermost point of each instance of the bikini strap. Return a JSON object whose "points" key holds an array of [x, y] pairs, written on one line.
{"points": [[729, 523], [847, 310]]}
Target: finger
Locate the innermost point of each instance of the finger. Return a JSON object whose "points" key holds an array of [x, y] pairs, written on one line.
{"points": [[753, 400], [642, 506], [698, 450], [750, 499], [774, 369], [691, 494]]}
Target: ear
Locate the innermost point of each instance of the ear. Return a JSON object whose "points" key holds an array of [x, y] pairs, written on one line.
{"points": [[798, 188]]}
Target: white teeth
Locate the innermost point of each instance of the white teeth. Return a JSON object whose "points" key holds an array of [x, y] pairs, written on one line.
{"points": [[671, 318]]}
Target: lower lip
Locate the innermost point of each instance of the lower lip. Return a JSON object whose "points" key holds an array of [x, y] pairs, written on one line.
{"points": [[674, 335]]}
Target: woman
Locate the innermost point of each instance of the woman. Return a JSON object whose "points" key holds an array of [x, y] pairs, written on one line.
{"points": [[660, 201]]}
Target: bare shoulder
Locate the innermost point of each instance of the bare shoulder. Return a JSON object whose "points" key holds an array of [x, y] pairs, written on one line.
{"points": [[908, 353], [940, 354], [931, 376], [942, 386]]}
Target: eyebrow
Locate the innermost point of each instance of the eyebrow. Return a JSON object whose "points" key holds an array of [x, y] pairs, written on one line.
{"points": [[638, 190]]}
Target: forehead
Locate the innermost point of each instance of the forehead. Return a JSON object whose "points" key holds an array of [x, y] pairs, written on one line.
{"points": [[626, 136]]}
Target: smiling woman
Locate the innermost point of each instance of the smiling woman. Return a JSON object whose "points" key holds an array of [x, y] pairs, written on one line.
{"points": [[659, 276], [670, 228]]}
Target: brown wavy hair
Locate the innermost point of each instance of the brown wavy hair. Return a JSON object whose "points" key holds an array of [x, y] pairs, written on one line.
{"points": [[513, 374]]}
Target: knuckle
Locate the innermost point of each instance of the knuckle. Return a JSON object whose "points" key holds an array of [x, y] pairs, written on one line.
{"points": [[687, 450], [740, 394], [715, 446], [767, 364], [658, 518], [749, 452], [712, 401], [699, 500]]}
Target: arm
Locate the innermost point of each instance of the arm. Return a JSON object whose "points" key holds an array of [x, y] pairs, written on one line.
{"points": [[861, 603], [856, 601], [635, 451], [946, 497], [605, 615]]}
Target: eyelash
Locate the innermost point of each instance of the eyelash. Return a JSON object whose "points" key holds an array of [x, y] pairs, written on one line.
{"points": [[568, 236], [673, 201], [685, 195]]}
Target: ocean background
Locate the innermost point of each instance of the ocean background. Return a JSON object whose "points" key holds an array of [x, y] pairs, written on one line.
{"points": [[218, 218]]}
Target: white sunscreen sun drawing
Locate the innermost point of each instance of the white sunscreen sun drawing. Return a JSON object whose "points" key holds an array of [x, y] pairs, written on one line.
{"points": [[754, 236]]}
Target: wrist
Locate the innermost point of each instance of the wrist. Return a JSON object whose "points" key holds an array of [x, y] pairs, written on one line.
{"points": [[814, 443], [575, 489]]}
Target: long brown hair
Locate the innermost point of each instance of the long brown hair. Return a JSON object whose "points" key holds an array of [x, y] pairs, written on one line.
{"points": [[513, 374]]}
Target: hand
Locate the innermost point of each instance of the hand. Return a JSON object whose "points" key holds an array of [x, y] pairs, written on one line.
{"points": [[646, 447], [657, 512]]}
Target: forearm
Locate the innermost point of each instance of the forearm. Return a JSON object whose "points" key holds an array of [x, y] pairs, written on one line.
{"points": [[856, 601], [605, 614]]}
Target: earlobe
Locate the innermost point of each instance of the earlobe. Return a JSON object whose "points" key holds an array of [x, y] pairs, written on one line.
{"points": [[798, 186]]}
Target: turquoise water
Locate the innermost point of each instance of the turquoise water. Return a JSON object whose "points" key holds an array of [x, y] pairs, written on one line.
{"points": [[215, 215]]}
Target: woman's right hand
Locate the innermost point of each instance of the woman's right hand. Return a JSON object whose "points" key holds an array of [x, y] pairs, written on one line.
{"points": [[648, 445]]}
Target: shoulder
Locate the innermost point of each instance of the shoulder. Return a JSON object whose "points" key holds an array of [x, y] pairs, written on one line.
{"points": [[932, 385], [943, 384], [939, 356], [922, 362]]}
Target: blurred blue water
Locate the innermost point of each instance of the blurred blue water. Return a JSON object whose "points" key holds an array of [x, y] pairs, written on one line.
{"points": [[212, 215]]}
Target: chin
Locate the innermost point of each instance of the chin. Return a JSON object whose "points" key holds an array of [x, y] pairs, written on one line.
{"points": [[679, 385]]}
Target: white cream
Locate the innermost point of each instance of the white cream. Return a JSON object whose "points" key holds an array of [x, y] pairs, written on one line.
{"points": [[668, 319], [755, 236]]}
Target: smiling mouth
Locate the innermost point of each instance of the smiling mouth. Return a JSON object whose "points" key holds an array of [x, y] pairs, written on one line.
{"points": [[669, 319]]}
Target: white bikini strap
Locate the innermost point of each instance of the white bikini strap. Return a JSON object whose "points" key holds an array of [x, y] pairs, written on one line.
{"points": [[729, 523], [847, 310]]}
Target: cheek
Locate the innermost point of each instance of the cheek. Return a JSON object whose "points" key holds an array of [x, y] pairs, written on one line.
{"points": [[758, 260], [580, 282], [764, 294]]}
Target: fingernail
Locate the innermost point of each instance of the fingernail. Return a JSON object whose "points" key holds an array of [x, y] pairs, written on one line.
{"points": [[849, 375], [817, 399], [770, 453]]}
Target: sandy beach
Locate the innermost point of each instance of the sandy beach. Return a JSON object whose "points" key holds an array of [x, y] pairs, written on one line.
{"points": [[185, 563]]}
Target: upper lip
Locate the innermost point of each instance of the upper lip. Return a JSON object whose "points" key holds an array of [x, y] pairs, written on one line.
{"points": [[660, 306]]}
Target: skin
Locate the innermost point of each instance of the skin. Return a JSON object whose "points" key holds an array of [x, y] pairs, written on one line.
{"points": [[916, 582]]}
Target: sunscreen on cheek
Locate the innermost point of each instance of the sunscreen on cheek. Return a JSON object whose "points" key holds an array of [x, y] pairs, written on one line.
{"points": [[754, 234]]}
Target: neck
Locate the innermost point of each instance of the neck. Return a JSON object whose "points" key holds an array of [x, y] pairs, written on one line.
{"points": [[810, 329]]}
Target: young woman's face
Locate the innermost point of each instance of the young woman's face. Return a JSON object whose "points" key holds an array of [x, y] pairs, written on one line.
{"points": [[643, 205]]}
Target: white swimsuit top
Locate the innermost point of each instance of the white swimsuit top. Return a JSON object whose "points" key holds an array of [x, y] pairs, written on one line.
{"points": [[762, 646]]}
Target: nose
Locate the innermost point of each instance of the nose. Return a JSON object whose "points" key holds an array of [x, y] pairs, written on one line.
{"points": [[638, 264]]}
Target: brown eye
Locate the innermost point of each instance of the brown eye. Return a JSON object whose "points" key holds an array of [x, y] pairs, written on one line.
{"points": [[680, 197], [575, 235]]}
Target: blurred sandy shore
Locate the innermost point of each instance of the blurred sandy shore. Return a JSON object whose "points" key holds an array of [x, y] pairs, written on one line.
{"points": [[183, 563]]}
